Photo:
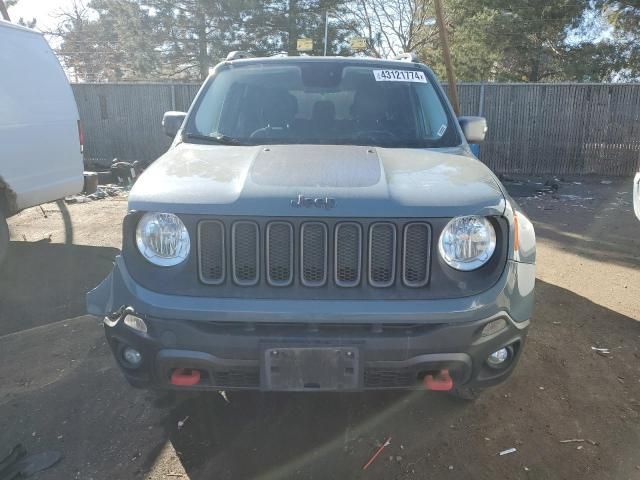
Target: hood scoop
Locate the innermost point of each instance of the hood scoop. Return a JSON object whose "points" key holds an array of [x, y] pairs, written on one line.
{"points": [[318, 166]]}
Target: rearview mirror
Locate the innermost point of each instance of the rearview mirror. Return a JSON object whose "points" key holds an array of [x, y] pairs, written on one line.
{"points": [[473, 128], [172, 121]]}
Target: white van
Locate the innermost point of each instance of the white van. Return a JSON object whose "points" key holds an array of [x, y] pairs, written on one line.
{"points": [[40, 134], [636, 195]]}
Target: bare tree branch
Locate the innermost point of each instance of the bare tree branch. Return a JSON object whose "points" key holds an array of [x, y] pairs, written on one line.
{"points": [[393, 26]]}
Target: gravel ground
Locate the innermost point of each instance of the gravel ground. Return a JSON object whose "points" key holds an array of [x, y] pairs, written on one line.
{"points": [[60, 388]]}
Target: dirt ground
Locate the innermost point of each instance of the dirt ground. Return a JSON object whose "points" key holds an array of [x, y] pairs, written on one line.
{"points": [[60, 388]]}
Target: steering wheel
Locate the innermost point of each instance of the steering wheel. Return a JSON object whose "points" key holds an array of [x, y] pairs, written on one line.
{"points": [[374, 135], [259, 131]]}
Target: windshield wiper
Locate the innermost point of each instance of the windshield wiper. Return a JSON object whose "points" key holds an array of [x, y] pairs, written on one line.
{"points": [[214, 138]]}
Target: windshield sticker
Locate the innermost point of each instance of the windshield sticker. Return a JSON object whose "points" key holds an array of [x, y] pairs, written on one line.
{"points": [[443, 128], [399, 76]]}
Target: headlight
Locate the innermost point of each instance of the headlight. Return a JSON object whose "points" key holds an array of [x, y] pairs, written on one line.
{"points": [[163, 239], [467, 243]]}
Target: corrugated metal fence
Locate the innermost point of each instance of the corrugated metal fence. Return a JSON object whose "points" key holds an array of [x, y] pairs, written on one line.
{"points": [[533, 128]]}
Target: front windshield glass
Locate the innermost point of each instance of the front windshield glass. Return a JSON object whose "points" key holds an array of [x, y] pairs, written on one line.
{"points": [[323, 103]]}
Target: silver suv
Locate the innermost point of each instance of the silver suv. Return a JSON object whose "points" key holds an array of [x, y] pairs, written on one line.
{"points": [[320, 224]]}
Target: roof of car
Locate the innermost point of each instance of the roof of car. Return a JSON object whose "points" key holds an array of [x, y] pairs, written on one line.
{"points": [[308, 58]]}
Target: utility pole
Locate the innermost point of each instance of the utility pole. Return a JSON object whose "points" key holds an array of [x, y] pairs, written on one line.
{"points": [[292, 28], [446, 54], [3, 10], [326, 31], [201, 32]]}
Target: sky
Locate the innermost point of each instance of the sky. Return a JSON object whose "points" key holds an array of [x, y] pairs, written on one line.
{"points": [[42, 10]]}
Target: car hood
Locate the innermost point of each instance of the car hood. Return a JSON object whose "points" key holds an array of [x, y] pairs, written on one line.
{"points": [[352, 181]]}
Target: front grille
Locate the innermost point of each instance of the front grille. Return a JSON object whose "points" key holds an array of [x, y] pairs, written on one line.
{"points": [[347, 254]]}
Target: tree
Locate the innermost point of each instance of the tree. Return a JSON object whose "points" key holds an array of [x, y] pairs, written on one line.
{"points": [[79, 46], [624, 18], [274, 26], [473, 56], [197, 34], [194, 35], [540, 40], [110, 40], [106, 40], [392, 26], [508, 40]]}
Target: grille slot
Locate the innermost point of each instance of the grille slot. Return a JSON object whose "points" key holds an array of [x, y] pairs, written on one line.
{"points": [[245, 253], [237, 378], [382, 254], [313, 254], [415, 254], [348, 254], [279, 254], [389, 378], [211, 252]]}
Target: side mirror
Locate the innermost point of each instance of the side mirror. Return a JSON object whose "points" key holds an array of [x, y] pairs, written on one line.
{"points": [[473, 128], [172, 121]]}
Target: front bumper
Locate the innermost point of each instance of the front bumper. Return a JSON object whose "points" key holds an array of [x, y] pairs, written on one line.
{"points": [[397, 342], [232, 357]]}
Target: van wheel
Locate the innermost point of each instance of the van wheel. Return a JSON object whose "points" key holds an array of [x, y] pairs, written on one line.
{"points": [[4, 237], [465, 393]]}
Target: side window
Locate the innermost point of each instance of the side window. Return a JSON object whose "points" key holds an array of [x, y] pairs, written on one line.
{"points": [[435, 118]]}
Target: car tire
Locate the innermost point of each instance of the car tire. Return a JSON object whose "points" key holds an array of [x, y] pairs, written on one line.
{"points": [[466, 393], [4, 237]]}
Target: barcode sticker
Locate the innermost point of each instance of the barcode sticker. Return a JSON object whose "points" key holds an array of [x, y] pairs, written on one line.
{"points": [[399, 76]]}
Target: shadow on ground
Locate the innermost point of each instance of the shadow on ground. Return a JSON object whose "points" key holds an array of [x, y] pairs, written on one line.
{"points": [[63, 391], [45, 282], [562, 389], [280, 435], [595, 244], [589, 219]]}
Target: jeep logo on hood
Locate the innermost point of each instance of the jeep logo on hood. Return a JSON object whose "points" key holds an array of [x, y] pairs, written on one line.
{"points": [[319, 202]]}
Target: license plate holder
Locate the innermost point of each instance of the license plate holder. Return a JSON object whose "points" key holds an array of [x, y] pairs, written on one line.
{"points": [[311, 368]]}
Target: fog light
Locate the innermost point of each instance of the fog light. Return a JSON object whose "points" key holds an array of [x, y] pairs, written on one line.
{"points": [[132, 356], [136, 323], [498, 358], [493, 327]]}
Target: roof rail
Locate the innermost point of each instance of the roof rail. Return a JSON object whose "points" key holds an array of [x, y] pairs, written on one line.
{"points": [[407, 57], [238, 55]]}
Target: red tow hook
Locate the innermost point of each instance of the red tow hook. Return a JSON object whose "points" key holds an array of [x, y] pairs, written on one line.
{"points": [[440, 382], [185, 377]]}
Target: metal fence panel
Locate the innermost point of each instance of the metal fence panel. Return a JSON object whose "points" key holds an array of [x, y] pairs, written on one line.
{"points": [[124, 121], [533, 128]]}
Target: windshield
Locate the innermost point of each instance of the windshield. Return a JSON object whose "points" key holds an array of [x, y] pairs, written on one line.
{"points": [[323, 103]]}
